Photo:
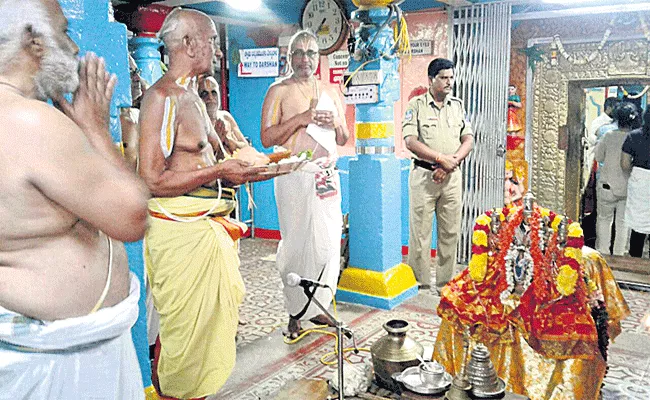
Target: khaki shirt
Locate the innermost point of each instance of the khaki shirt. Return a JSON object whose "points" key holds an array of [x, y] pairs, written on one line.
{"points": [[438, 128]]}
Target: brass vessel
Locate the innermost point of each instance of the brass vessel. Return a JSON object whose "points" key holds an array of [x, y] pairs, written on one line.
{"points": [[394, 352], [482, 375], [480, 369], [460, 385]]}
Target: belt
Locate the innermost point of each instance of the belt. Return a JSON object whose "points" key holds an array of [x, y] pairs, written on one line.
{"points": [[212, 193], [425, 165], [160, 215]]}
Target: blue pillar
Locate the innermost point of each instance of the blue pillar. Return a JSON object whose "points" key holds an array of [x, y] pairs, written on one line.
{"points": [[92, 30], [144, 50], [376, 276]]}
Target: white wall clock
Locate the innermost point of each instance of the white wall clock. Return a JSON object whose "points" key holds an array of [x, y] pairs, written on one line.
{"points": [[327, 19]]}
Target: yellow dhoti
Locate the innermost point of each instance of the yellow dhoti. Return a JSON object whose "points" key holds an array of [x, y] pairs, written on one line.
{"points": [[193, 269]]}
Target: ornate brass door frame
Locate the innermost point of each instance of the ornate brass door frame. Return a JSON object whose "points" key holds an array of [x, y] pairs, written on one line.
{"points": [[557, 95]]}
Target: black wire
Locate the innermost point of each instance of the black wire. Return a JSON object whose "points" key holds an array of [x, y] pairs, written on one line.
{"points": [[383, 25]]}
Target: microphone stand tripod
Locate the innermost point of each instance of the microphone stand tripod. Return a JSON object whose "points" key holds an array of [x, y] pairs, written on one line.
{"points": [[341, 330]]}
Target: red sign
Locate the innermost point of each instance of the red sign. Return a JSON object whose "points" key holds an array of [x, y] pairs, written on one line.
{"points": [[336, 75], [317, 73]]}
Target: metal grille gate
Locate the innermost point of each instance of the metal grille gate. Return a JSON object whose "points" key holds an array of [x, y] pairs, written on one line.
{"points": [[479, 44]]}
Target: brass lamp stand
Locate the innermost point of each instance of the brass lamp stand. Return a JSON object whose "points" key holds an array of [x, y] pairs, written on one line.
{"points": [[460, 386]]}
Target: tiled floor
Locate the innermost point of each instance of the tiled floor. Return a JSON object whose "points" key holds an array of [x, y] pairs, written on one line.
{"points": [[265, 364]]}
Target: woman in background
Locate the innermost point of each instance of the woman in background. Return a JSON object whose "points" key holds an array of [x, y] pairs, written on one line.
{"points": [[635, 159], [612, 182]]}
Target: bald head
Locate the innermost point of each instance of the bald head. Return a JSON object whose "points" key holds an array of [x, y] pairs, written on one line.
{"points": [[183, 24], [302, 36]]}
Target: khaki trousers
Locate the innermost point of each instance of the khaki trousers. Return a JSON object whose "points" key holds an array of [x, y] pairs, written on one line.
{"points": [[425, 198]]}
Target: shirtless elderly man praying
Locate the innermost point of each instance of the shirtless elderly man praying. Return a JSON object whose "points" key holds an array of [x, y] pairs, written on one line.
{"points": [[67, 199]]}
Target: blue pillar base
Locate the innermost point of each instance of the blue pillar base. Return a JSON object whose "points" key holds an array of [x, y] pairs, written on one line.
{"points": [[385, 290]]}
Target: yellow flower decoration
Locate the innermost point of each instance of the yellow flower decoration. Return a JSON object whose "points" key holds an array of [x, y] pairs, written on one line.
{"points": [[574, 253], [479, 238], [592, 286], [500, 212], [556, 222], [575, 230], [566, 280], [478, 266], [544, 212], [483, 220]]}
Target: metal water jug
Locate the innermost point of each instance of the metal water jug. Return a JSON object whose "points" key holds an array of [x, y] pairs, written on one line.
{"points": [[394, 352]]}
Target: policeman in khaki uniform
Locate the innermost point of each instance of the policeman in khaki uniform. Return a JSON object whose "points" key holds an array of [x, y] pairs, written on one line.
{"points": [[436, 132]]}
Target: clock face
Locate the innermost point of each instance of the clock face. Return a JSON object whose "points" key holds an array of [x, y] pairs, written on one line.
{"points": [[326, 19]]}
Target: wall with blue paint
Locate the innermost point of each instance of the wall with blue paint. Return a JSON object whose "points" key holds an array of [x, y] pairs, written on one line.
{"points": [[246, 98], [90, 28]]}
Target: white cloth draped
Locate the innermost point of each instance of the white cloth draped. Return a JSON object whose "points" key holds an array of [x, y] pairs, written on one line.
{"points": [[637, 211], [309, 212], [323, 136], [89, 357]]}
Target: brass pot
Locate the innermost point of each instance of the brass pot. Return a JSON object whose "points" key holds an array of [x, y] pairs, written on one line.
{"points": [[394, 352]]}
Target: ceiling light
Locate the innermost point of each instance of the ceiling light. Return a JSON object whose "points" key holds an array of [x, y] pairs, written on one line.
{"points": [[245, 5]]}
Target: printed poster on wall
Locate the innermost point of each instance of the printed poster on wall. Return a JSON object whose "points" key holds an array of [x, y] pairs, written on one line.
{"points": [[338, 63], [260, 62]]}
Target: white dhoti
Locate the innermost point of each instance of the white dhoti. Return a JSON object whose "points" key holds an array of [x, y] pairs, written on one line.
{"points": [[637, 208], [309, 212], [90, 357]]}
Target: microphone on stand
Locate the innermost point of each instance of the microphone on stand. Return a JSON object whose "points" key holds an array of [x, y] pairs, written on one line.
{"points": [[294, 280]]}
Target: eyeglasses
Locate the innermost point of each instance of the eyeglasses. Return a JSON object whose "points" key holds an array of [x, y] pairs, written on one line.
{"points": [[301, 53], [136, 71]]}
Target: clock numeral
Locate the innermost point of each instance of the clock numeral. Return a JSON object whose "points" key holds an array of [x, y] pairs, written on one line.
{"points": [[310, 15]]}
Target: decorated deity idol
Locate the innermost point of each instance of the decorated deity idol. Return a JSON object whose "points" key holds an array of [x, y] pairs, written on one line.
{"points": [[527, 296], [532, 264]]}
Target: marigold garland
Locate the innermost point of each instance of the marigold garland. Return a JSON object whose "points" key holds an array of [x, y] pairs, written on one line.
{"points": [[553, 310], [479, 238], [575, 230], [478, 266], [506, 234], [556, 222], [573, 253], [548, 281], [566, 281], [483, 219]]}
